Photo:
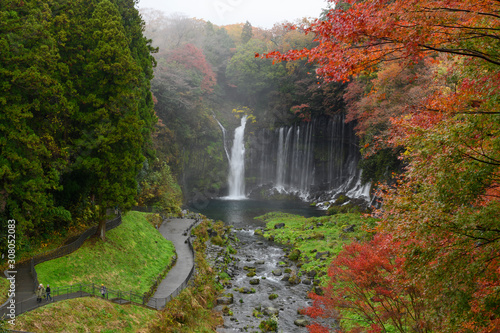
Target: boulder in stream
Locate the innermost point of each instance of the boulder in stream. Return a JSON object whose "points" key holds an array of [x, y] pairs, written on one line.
{"points": [[301, 322], [270, 311], [254, 281], [227, 300]]}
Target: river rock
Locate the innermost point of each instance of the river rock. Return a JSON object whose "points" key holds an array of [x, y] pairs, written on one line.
{"points": [[321, 254], [318, 291], [294, 279], [246, 290], [277, 272], [301, 322], [285, 278], [279, 225], [312, 273], [260, 262], [349, 228], [306, 281], [254, 281], [269, 311], [212, 233], [225, 300]]}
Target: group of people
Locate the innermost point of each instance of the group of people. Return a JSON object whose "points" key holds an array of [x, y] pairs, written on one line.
{"points": [[42, 293]]}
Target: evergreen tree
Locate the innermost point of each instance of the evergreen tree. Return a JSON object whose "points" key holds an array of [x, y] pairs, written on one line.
{"points": [[246, 33], [111, 141], [32, 104]]}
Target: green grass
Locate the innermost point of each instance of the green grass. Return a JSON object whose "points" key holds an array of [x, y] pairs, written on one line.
{"points": [[86, 314], [131, 258], [4, 290], [328, 237]]}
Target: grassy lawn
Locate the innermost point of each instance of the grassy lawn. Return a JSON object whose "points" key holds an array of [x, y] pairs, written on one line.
{"points": [[86, 314], [133, 255], [4, 290], [317, 234]]}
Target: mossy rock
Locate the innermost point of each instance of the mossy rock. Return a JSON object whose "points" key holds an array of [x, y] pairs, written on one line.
{"points": [[294, 254], [269, 325], [273, 296], [342, 199]]}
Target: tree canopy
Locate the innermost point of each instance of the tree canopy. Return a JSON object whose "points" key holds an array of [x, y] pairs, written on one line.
{"points": [[424, 82], [77, 112]]}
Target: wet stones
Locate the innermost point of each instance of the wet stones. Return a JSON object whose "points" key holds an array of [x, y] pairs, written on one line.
{"points": [[246, 290], [319, 255], [270, 311], [254, 282], [225, 300], [277, 272], [294, 255], [294, 279], [273, 296], [301, 322], [311, 274]]}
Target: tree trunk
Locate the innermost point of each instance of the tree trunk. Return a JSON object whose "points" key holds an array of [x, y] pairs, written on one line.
{"points": [[101, 229]]}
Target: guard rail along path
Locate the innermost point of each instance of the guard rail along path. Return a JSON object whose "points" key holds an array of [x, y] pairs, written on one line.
{"points": [[26, 301]]}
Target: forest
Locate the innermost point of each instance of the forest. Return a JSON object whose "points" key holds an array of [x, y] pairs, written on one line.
{"points": [[104, 107]]}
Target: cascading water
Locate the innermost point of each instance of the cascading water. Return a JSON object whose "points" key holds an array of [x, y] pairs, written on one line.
{"points": [[312, 160], [223, 138], [236, 178]]}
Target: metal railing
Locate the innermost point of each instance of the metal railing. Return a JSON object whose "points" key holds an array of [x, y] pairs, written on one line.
{"points": [[160, 303]]}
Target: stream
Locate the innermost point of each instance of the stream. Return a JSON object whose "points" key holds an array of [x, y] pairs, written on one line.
{"points": [[256, 252]]}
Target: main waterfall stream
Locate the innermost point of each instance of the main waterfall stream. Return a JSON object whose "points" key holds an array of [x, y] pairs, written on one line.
{"points": [[236, 177], [256, 251]]}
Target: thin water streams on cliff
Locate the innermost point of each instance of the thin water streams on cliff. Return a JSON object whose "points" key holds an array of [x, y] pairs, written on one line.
{"points": [[265, 256]]}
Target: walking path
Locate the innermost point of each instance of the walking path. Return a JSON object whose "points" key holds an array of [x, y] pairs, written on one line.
{"points": [[175, 230]]}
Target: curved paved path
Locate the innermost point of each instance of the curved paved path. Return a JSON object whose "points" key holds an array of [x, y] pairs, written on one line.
{"points": [[174, 231]]}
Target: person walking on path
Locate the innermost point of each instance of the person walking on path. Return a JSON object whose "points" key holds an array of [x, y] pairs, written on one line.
{"points": [[42, 293], [103, 290], [48, 298], [38, 294]]}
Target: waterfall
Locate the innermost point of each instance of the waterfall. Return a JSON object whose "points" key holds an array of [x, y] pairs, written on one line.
{"points": [[236, 178], [314, 160], [223, 138]]}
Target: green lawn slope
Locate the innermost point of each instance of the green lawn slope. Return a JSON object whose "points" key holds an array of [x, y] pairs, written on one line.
{"points": [[131, 258], [87, 314]]}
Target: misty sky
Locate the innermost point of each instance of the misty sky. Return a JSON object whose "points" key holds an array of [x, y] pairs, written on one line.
{"points": [[260, 13]]}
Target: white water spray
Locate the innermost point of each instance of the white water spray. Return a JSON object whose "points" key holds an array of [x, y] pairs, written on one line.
{"points": [[237, 164]]}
